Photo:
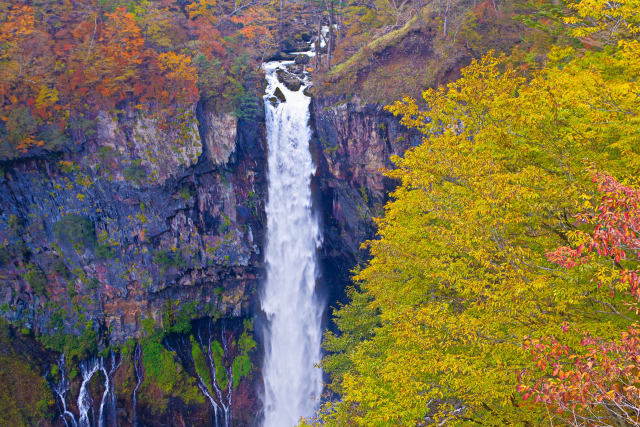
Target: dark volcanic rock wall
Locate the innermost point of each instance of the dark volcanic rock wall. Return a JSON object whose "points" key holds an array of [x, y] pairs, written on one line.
{"points": [[352, 144], [136, 216]]}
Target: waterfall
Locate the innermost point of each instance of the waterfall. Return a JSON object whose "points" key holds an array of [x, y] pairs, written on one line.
{"points": [[107, 415], [139, 370], [61, 388], [218, 398], [85, 403], [293, 333]]}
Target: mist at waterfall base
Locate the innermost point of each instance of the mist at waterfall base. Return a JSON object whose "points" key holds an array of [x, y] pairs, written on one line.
{"points": [[293, 329]]}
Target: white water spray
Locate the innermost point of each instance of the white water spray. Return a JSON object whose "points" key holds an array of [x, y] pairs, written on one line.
{"points": [[292, 383]]}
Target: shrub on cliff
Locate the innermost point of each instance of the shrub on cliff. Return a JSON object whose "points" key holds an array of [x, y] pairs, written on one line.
{"points": [[36, 279], [76, 230]]}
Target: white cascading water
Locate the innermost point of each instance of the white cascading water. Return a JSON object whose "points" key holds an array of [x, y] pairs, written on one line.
{"points": [[85, 403], [292, 382]]}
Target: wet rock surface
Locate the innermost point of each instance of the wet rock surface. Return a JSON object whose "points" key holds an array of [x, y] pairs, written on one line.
{"points": [[302, 59], [279, 95]]}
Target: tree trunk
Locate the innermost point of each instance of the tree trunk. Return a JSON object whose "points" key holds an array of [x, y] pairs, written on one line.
{"points": [[318, 35], [280, 35], [330, 41], [446, 17]]}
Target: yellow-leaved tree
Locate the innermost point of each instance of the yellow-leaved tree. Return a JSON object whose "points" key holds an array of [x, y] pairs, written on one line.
{"points": [[459, 276]]}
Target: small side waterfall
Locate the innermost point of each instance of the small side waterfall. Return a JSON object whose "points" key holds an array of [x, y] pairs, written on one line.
{"points": [[107, 415], [85, 402], [292, 383], [86, 417], [139, 371], [61, 388]]}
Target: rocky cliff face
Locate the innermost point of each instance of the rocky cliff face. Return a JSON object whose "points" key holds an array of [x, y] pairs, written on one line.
{"points": [[134, 231], [352, 144], [140, 215]]}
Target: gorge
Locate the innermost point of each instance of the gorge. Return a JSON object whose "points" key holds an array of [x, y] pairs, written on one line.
{"points": [[160, 263], [431, 218]]}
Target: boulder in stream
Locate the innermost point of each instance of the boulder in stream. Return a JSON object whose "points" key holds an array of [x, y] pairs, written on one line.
{"points": [[279, 95], [291, 82], [302, 59]]}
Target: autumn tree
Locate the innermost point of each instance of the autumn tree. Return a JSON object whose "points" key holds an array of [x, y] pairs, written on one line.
{"points": [[459, 274], [595, 381]]}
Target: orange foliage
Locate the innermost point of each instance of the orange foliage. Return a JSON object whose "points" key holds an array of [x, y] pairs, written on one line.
{"points": [[18, 23], [181, 76]]}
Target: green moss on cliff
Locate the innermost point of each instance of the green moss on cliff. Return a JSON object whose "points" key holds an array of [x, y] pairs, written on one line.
{"points": [[74, 346]]}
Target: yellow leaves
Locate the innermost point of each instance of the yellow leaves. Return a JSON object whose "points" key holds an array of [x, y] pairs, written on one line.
{"points": [[558, 54], [177, 66], [459, 273], [595, 16], [201, 8], [630, 54], [181, 76], [46, 97]]}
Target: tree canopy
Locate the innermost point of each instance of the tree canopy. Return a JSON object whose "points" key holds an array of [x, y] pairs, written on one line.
{"points": [[60, 61], [466, 276]]}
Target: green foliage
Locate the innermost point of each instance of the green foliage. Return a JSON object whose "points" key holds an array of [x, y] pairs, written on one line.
{"points": [[238, 85], [61, 268], [241, 88], [159, 364], [241, 368], [246, 343], [71, 290], [218, 359], [84, 126], [185, 193], [226, 224], [36, 279], [168, 258], [105, 251], [356, 322], [75, 229], [178, 321], [107, 154], [75, 347], [164, 377], [200, 362], [135, 173], [210, 76], [148, 325]]}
